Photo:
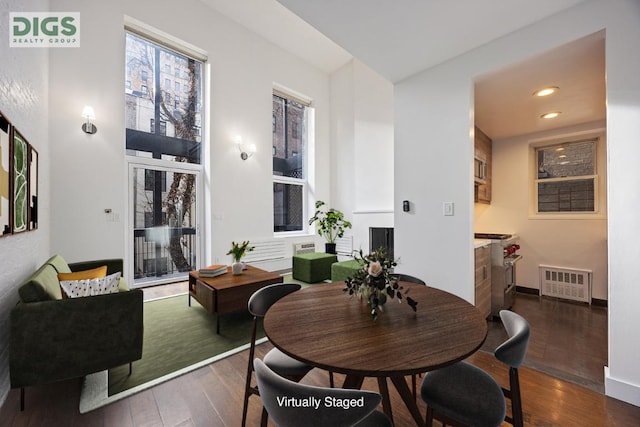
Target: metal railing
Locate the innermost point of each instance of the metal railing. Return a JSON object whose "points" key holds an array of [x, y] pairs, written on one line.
{"points": [[163, 251]]}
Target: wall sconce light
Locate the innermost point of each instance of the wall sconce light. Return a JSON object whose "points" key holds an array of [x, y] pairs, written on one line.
{"points": [[246, 150], [89, 114]]}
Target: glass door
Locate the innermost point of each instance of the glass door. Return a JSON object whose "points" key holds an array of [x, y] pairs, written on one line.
{"points": [[164, 207]]}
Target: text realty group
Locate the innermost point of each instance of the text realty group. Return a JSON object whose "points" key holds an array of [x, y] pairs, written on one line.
{"points": [[44, 29]]}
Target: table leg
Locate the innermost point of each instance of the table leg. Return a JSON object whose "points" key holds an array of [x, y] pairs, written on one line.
{"points": [[353, 382], [407, 398], [386, 402]]}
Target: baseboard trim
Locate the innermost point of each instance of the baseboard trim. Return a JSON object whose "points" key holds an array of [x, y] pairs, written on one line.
{"points": [[529, 291], [621, 390], [599, 302], [603, 303]]}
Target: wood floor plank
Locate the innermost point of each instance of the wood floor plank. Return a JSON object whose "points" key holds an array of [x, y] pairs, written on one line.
{"points": [[171, 404], [145, 411], [200, 408]]}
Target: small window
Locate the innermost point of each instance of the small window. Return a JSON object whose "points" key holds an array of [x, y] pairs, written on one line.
{"points": [[144, 75], [567, 179]]}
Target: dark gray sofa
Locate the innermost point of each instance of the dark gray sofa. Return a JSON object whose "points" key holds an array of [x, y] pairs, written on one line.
{"points": [[53, 339]]}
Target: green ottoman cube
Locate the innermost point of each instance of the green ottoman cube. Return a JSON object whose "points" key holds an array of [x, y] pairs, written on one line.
{"points": [[343, 270], [313, 267]]}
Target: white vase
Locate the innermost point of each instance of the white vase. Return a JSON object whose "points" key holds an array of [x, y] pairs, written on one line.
{"points": [[236, 268]]}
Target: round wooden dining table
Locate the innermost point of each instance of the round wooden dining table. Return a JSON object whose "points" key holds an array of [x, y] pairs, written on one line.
{"points": [[324, 327]]}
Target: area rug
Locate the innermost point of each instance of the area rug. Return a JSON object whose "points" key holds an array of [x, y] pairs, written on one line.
{"points": [[177, 339]]}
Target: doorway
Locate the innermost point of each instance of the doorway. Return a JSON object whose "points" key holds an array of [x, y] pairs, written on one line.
{"points": [[509, 113]]}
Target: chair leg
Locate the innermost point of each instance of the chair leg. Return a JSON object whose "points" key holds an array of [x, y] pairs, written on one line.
{"points": [[429, 418], [130, 368], [264, 418], [21, 399], [247, 387], [516, 401], [331, 382]]}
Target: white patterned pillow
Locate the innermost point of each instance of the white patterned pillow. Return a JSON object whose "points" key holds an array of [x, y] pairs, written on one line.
{"points": [[89, 287]]}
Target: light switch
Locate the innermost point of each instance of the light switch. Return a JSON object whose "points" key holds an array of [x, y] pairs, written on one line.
{"points": [[447, 208]]}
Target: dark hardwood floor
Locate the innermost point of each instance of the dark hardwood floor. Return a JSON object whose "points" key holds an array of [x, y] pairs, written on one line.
{"points": [[567, 339]]}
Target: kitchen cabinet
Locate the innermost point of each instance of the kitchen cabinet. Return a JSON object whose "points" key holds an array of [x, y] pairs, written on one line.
{"points": [[482, 192], [483, 279]]}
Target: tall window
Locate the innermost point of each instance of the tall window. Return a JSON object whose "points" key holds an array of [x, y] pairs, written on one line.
{"points": [[567, 179], [290, 143], [163, 139]]}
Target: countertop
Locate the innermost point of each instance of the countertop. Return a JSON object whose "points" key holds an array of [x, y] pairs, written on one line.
{"points": [[478, 243]]}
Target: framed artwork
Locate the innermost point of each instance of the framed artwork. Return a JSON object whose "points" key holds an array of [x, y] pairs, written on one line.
{"points": [[33, 188], [5, 181], [20, 182]]}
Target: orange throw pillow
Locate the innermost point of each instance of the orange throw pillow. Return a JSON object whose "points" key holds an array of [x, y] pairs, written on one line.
{"points": [[94, 273]]}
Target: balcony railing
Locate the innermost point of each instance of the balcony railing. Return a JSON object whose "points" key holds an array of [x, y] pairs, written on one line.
{"points": [[163, 252]]}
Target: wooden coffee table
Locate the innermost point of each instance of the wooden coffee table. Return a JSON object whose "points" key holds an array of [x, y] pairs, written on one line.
{"points": [[228, 292]]}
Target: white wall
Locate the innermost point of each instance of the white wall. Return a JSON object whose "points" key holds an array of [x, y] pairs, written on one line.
{"points": [[434, 119], [24, 101], [578, 242], [362, 149], [244, 68]]}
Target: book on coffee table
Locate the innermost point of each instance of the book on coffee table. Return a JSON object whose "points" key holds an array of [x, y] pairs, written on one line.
{"points": [[213, 270]]}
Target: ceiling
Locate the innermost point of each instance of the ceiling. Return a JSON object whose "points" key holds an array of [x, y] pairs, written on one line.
{"points": [[400, 38], [505, 107]]}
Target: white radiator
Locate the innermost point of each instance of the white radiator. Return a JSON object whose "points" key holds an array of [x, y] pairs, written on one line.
{"points": [[304, 248], [265, 250], [567, 283], [344, 245]]}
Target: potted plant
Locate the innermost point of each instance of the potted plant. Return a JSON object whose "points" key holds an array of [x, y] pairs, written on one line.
{"points": [[237, 251], [330, 224]]}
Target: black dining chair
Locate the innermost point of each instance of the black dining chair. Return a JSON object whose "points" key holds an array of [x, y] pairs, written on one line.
{"points": [[323, 406], [279, 362], [401, 277], [463, 394]]}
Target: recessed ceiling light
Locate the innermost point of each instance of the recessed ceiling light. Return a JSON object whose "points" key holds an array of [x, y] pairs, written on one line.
{"points": [[550, 115], [546, 91]]}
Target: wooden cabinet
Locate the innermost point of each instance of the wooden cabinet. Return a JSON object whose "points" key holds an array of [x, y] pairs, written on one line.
{"points": [[483, 149], [483, 279]]}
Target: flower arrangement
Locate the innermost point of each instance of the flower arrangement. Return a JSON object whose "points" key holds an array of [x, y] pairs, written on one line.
{"points": [[238, 250], [374, 282]]}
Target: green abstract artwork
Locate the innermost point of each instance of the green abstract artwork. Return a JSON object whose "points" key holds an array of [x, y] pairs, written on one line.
{"points": [[20, 182]]}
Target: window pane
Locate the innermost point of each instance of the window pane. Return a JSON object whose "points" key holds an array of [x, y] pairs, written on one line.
{"points": [[149, 99], [571, 159], [289, 138], [287, 207], [164, 220], [566, 196]]}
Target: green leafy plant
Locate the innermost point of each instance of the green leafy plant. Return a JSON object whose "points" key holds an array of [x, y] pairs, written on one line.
{"points": [[374, 282], [330, 222], [238, 250]]}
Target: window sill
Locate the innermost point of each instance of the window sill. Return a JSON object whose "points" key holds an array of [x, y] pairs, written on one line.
{"points": [[567, 216]]}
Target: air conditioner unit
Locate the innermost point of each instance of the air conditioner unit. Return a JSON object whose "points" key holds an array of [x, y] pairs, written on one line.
{"points": [[304, 248]]}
